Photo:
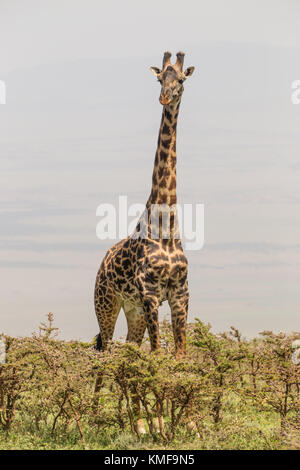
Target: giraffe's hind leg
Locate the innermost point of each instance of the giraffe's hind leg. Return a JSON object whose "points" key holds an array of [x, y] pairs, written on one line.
{"points": [[136, 323], [107, 308], [136, 330]]}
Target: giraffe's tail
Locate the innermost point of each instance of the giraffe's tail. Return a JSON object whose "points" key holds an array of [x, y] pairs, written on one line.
{"points": [[98, 345]]}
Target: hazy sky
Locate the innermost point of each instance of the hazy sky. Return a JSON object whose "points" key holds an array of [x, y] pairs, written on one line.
{"points": [[80, 128]]}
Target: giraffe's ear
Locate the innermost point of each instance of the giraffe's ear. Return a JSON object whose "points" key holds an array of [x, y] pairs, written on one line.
{"points": [[188, 72], [155, 70]]}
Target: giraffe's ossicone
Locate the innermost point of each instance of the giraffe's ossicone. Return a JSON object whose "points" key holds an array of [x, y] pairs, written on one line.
{"points": [[149, 267]]}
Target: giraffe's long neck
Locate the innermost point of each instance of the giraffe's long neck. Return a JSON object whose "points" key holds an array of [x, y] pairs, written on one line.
{"points": [[164, 173]]}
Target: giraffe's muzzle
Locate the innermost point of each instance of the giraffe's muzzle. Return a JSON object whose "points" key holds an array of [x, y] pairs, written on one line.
{"points": [[165, 100]]}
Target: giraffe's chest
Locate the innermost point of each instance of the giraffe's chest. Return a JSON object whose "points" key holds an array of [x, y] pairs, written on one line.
{"points": [[166, 267], [154, 269], [165, 270]]}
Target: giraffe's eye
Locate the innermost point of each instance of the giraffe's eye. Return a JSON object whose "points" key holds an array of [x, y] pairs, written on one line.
{"points": [[159, 80], [180, 81]]}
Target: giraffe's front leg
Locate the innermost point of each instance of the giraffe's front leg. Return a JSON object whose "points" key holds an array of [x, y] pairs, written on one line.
{"points": [[178, 299], [146, 284]]}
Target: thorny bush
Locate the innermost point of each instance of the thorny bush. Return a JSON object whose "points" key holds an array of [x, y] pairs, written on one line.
{"points": [[64, 386]]}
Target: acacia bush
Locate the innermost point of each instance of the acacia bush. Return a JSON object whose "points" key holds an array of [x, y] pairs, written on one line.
{"points": [[227, 392], [150, 382], [275, 378]]}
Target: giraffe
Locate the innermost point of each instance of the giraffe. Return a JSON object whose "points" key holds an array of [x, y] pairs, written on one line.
{"points": [[149, 266]]}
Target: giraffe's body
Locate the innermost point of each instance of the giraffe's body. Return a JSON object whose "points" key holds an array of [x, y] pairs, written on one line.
{"points": [[149, 267]]}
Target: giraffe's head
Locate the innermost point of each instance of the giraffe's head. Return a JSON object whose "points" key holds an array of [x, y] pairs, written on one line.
{"points": [[171, 78]]}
